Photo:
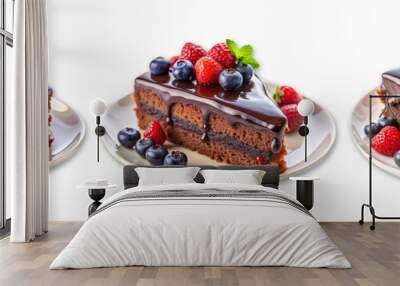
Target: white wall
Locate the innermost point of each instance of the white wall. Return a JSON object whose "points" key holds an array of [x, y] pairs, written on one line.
{"points": [[332, 51]]}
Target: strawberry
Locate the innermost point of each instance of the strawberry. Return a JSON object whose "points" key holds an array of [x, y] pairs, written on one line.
{"points": [[222, 54], [293, 116], [155, 133], [387, 141], [173, 60], [207, 70], [285, 95], [192, 52]]}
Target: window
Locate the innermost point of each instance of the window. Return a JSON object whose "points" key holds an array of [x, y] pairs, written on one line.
{"points": [[6, 43]]}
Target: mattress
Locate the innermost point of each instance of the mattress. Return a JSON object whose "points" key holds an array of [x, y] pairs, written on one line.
{"points": [[201, 225]]}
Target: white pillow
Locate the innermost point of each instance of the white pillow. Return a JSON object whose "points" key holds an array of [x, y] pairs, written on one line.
{"points": [[166, 176], [247, 177]]}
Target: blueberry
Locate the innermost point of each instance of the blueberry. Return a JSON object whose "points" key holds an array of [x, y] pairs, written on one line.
{"points": [[142, 145], [159, 66], [128, 137], [396, 158], [246, 71], [375, 128], [176, 158], [155, 154], [183, 70], [230, 79], [387, 121]]}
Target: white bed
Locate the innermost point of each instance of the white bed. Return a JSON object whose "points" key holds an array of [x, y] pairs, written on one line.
{"points": [[222, 225]]}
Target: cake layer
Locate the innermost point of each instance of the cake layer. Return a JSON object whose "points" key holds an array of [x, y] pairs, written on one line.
{"points": [[233, 143], [219, 150], [260, 138]]}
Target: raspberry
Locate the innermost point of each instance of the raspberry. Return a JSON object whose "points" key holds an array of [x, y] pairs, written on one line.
{"points": [[221, 54], [293, 116], [207, 71], [155, 133], [192, 52]]}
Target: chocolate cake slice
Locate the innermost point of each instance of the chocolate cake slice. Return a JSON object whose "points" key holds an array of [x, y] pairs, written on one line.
{"points": [[242, 127], [391, 81]]}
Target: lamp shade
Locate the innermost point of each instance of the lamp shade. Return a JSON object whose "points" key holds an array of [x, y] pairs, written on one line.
{"points": [[305, 107], [97, 107]]}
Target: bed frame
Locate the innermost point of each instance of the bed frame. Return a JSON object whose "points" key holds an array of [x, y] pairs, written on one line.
{"points": [[271, 177]]}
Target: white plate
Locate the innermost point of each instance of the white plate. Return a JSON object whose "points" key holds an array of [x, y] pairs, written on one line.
{"points": [[320, 140], [68, 131], [359, 119]]}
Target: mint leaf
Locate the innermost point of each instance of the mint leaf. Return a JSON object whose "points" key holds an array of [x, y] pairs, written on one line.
{"points": [[232, 47], [243, 55], [246, 51], [251, 61]]}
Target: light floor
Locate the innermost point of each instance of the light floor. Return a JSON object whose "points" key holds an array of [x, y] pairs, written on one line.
{"points": [[375, 257]]}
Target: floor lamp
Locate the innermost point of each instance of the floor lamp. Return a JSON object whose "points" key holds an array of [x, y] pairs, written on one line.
{"points": [[370, 204]]}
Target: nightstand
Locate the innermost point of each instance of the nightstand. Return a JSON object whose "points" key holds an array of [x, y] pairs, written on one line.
{"points": [[96, 192], [305, 190]]}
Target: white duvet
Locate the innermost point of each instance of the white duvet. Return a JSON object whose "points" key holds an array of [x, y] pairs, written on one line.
{"points": [[200, 231]]}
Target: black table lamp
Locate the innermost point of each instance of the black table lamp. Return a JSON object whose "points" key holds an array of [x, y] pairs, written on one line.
{"points": [[305, 108], [98, 107]]}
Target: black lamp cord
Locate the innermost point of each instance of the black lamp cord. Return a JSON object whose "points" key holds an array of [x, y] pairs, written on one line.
{"points": [[305, 138], [98, 137]]}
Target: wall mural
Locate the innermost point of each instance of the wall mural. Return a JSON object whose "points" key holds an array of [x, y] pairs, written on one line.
{"points": [[384, 129], [210, 107], [66, 130]]}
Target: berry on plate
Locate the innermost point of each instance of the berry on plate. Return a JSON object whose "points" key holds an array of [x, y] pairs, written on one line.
{"points": [[155, 133], [387, 141], [155, 154], [128, 137], [159, 66], [396, 158], [222, 54], [142, 145], [387, 121], [371, 132], [285, 95], [207, 70], [293, 116], [230, 79], [183, 70], [192, 52], [176, 158], [246, 71]]}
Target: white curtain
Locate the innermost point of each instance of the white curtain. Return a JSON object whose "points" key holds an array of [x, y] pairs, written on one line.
{"points": [[27, 158]]}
